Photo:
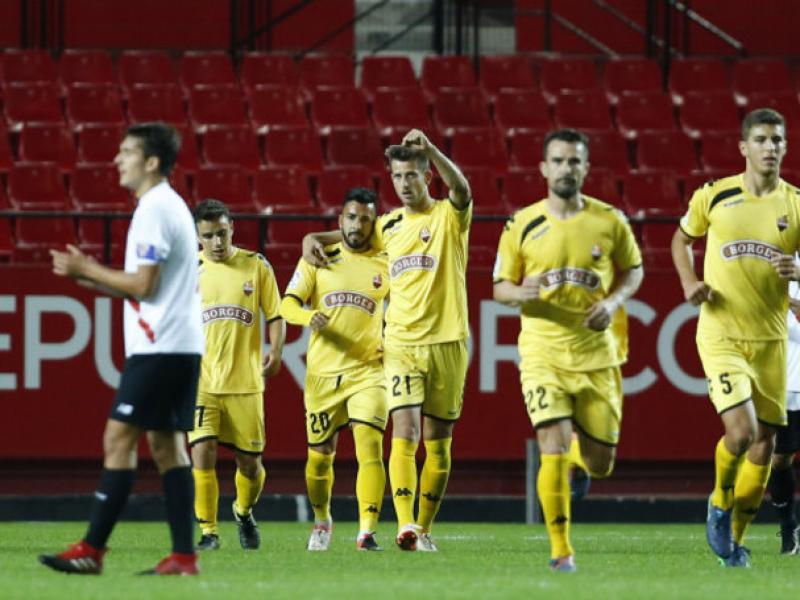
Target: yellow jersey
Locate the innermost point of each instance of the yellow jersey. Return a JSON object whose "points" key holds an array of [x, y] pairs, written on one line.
{"points": [[351, 292], [427, 268], [233, 293], [743, 230], [579, 258]]}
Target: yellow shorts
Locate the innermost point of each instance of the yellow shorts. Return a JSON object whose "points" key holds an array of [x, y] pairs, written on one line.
{"points": [[592, 399], [331, 403], [431, 376], [740, 370], [234, 420]]}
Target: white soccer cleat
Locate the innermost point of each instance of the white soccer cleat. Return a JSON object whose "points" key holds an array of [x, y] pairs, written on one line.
{"points": [[425, 543], [407, 537], [320, 538]]}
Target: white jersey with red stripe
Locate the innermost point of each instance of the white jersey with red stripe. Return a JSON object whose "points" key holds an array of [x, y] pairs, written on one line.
{"points": [[162, 232]]}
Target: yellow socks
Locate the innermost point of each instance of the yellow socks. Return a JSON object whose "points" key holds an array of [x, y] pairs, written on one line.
{"points": [[319, 481], [403, 479], [749, 492], [553, 487], [575, 458], [726, 466], [371, 478], [433, 480], [206, 499], [248, 491]]}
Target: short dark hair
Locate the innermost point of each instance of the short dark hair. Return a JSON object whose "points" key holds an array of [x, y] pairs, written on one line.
{"points": [[571, 136], [360, 195], [211, 210], [407, 154], [160, 140], [761, 116]]}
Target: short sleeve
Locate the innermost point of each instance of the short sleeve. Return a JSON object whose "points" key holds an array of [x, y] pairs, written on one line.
{"points": [[695, 222], [463, 217], [149, 233], [626, 253], [302, 283], [508, 263], [270, 296], [377, 234]]}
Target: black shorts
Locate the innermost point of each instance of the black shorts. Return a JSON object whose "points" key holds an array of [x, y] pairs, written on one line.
{"points": [[157, 392], [788, 439]]}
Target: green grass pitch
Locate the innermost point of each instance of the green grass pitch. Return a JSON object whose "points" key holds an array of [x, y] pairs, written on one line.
{"points": [[474, 561]]}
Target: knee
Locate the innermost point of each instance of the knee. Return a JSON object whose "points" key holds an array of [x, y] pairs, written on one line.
{"points": [[204, 455], [116, 445], [405, 426], [781, 462], [599, 467], [248, 465], [739, 440]]}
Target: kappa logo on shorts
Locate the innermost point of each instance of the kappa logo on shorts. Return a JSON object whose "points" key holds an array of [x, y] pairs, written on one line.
{"points": [[748, 249], [125, 409], [247, 288]]}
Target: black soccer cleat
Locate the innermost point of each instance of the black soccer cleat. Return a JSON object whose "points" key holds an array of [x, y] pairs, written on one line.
{"points": [[208, 541], [368, 543], [790, 544], [80, 558], [249, 536]]}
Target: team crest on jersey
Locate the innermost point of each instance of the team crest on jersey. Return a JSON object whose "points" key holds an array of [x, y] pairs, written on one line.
{"points": [[377, 281], [783, 222], [425, 234], [247, 288], [597, 252], [748, 248]]}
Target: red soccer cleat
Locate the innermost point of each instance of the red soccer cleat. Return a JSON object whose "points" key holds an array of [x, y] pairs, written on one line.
{"points": [[80, 558], [175, 564]]}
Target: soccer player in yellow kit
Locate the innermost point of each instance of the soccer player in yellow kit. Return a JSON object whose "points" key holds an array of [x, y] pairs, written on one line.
{"points": [[425, 347], [569, 262], [236, 286], [344, 378], [751, 222]]}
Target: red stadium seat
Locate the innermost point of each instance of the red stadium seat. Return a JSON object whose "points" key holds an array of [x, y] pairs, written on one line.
{"points": [[356, 146], [99, 143], [37, 236], [784, 102], [36, 102], [697, 75], [479, 148], [652, 194], [325, 70], [568, 74], [94, 103], [387, 197], [216, 105], [645, 111], [6, 240], [188, 155], [227, 183], [509, 72], [519, 110], [145, 66], [607, 150], [96, 187], [47, 143], [281, 254], [395, 111], [86, 66], [624, 76], [583, 110], [657, 235], [386, 71], [92, 235], [6, 157], [486, 201], [526, 149], [720, 152], [708, 112], [206, 68], [459, 107], [276, 106], [446, 72], [666, 151], [603, 185], [338, 107], [36, 186], [523, 187], [260, 68], [294, 147], [335, 181], [231, 145], [28, 66], [283, 232], [149, 102], [282, 189], [761, 76], [179, 180]]}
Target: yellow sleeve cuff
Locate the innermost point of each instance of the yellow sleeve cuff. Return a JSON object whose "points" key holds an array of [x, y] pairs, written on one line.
{"points": [[293, 312]]}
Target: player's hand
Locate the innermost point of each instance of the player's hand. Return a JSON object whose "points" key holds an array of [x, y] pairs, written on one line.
{"points": [[784, 265], [271, 364], [599, 315], [314, 251], [697, 293], [417, 139], [70, 263], [318, 321], [529, 289]]}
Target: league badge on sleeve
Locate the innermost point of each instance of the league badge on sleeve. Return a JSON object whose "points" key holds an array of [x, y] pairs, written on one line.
{"points": [[146, 251]]}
